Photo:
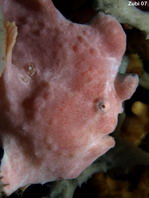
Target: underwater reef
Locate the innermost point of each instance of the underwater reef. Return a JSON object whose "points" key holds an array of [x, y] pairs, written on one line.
{"points": [[67, 128]]}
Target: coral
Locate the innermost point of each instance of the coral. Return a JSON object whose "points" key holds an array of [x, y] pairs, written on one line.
{"points": [[135, 127], [144, 81], [135, 64], [107, 186], [60, 92], [137, 43], [125, 13]]}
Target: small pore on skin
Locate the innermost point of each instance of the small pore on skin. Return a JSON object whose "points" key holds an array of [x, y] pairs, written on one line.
{"points": [[82, 41], [75, 48], [84, 32]]}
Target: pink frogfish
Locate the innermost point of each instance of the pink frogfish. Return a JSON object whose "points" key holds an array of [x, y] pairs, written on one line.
{"points": [[60, 92]]}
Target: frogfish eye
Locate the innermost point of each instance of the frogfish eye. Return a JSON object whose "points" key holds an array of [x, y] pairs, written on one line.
{"points": [[102, 105]]}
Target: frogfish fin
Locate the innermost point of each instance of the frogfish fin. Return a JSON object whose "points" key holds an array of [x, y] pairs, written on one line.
{"points": [[11, 34]]}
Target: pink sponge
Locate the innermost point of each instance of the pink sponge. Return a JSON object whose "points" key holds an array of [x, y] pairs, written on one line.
{"points": [[59, 93]]}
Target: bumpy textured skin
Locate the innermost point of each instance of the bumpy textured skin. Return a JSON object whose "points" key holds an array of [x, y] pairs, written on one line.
{"points": [[59, 94]]}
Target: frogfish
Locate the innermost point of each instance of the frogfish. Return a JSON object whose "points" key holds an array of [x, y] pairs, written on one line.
{"points": [[60, 91]]}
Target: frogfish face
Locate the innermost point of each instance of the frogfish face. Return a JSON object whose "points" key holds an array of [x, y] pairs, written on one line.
{"points": [[60, 93]]}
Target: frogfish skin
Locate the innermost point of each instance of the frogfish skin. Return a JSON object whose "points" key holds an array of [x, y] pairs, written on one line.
{"points": [[60, 92]]}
